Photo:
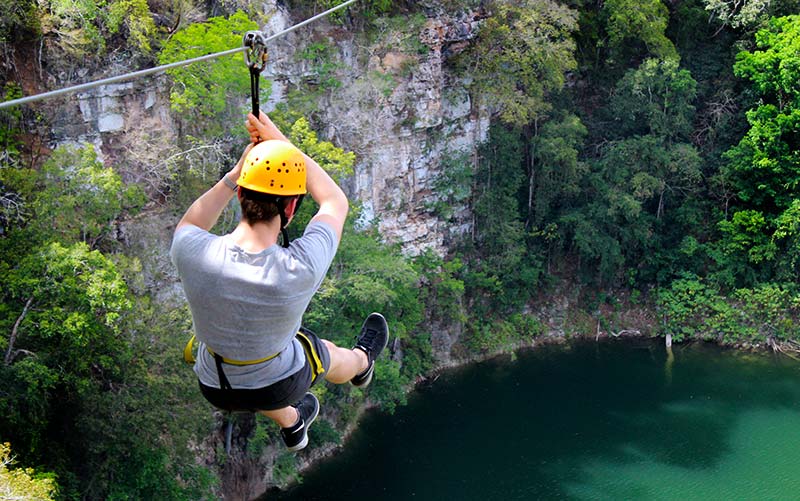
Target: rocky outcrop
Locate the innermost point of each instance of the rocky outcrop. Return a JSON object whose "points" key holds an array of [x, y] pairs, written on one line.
{"points": [[402, 109], [399, 106], [129, 123]]}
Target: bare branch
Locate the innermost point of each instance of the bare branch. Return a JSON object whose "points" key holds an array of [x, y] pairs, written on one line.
{"points": [[15, 331]]}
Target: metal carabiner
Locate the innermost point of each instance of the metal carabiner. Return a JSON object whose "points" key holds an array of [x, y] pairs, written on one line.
{"points": [[256, 54]]}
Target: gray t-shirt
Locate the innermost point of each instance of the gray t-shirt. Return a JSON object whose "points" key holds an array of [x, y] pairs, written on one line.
{"points": [[249, 306]]}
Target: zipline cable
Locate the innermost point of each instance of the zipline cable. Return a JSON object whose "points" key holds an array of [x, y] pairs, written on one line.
{"points": [[157, 69]]}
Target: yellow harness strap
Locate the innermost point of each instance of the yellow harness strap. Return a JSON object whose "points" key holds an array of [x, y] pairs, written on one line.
{"points": [[188, 356], [316, 364]]}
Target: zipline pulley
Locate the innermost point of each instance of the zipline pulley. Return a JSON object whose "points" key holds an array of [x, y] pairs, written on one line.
{"points": [[255, 57]]}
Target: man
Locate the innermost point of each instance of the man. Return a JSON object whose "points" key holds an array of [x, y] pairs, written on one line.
{"points": [[247, 294]]}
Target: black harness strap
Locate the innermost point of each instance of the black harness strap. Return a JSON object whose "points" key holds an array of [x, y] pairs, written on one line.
{"points": [[285, 220], [255, 75], [224, 384]]}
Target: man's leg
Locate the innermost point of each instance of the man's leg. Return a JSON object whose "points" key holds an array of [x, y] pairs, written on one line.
{"points": [[295, 421], [345, 364], [285, 417], [357, 365]]}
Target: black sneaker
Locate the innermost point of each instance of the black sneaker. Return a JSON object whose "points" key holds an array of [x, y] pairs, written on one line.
{"points": [[296, 437], [372, 340]]}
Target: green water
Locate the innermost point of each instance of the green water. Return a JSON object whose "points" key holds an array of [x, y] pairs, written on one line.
{"points": [[592, 421]]}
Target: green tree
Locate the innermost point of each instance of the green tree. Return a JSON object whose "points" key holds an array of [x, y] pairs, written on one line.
{"points": [[686, 306], [23, 484], [68, 337], [764, 168], [555, 169], [632, 24], [766, 162], [81, 29], [212, 91], [336, 162], [738, 13], [78, 198], [630, 214], [63, 344], [787, 236], [522, 52], [656, 98], [136, 19], [73, 27], [17, 19], [501, 271]]}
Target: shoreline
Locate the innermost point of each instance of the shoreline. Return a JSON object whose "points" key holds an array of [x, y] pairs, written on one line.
{"points": [[327, 451], [790, 349]]}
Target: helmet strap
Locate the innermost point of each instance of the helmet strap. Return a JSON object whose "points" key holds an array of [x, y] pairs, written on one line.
{"points": [[285, 219], [284, 237], [284, 222]]}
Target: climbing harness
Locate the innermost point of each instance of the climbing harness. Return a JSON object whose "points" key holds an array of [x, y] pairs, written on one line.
{"points": [[159, 69], [317, 368], [189, 358]]}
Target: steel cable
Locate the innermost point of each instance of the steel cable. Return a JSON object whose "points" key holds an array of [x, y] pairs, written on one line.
{"points": [[158, 69]]}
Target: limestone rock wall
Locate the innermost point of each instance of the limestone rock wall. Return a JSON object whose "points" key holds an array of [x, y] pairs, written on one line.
{"points": [[400, 110], [399, 107]]}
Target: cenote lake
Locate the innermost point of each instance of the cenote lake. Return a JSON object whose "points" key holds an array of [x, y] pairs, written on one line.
{"points": [[609, 420]]}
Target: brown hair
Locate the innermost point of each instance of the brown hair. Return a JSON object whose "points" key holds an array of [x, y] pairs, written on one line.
{"points": [[258, 207]]}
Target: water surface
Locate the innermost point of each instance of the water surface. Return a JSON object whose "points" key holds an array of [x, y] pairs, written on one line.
{"points": [[608, 420]]}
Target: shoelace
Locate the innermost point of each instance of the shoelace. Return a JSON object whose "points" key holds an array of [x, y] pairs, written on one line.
{"points": [[367, 338]]}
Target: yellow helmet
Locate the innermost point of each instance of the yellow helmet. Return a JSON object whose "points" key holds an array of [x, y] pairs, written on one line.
{"points": [[274, 167]]}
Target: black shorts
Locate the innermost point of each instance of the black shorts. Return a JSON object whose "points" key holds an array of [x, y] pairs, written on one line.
{"points": [[285, 392]]}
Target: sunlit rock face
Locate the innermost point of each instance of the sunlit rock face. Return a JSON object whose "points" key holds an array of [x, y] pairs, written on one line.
{"points": [[401, 110], [399, 105]]}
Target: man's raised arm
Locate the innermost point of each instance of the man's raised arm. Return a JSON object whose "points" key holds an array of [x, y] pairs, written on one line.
{"points": [[333, 204]]}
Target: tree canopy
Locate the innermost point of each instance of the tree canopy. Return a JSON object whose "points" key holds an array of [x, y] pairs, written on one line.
{"points": [[524, 51]]}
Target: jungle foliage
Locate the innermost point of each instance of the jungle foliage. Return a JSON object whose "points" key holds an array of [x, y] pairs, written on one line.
{"points": [[647, 147], [638, 176]]}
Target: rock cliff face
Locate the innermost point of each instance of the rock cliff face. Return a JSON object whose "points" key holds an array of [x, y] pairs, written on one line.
{"points": [[399, 107], [401, 110]]}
